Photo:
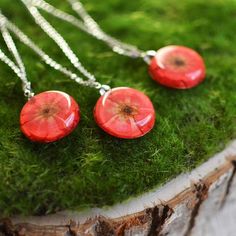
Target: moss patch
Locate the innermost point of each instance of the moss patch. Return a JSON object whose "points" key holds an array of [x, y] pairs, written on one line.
{"points": [[91, 168]]}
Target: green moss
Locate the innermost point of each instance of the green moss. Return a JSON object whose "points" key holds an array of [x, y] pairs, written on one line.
{"points": [[91, 168]]}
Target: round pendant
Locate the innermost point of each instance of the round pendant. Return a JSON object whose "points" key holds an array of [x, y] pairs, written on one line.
{"points": [[49, 116], [177, 67], [125, 113]]}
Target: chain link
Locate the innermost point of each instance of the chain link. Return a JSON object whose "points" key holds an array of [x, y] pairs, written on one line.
{"points": [[89, 25]]}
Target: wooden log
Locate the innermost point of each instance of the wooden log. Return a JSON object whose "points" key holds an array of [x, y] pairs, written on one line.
{"points": [[205, 208]]}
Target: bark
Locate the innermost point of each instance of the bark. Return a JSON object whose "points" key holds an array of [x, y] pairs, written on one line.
{"points": [[206, 208]]}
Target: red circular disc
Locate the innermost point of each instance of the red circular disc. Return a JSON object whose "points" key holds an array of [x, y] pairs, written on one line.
{"points": [[49, 116], [177, 67], [125, 113]]}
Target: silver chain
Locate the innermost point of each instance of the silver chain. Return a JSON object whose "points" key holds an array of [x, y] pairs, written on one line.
{"points": [[63, 45], [90, 26], [17, 67], [91, 82]]}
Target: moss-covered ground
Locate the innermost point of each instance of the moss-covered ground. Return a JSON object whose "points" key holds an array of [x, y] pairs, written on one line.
{"points": [[89, 167]]}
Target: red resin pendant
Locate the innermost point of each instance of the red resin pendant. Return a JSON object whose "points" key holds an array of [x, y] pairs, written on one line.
{"points": [[125, 113], [49, 116], [177, 67]]}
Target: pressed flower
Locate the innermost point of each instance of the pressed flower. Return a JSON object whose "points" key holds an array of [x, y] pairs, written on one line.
{"points": [[177, 67], [125, 113], [49, 116]]}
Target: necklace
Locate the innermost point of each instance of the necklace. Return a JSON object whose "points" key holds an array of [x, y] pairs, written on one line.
{"points": [[48, 116], [172, 66], [122, 112]]}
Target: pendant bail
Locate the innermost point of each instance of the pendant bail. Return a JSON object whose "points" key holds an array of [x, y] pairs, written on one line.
{"points": [[148, 55], [27, 90], [104, 88]]}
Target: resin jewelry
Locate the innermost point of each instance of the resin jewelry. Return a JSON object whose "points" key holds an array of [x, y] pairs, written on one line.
{"points": [[48, 116], [172, 66], [121, 112]]}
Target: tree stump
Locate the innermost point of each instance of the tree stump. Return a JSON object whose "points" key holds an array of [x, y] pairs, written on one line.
{"points": [[203, 203]]}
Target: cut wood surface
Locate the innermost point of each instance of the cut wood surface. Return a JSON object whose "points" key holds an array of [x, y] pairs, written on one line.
{"points": [[202, 203]]}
